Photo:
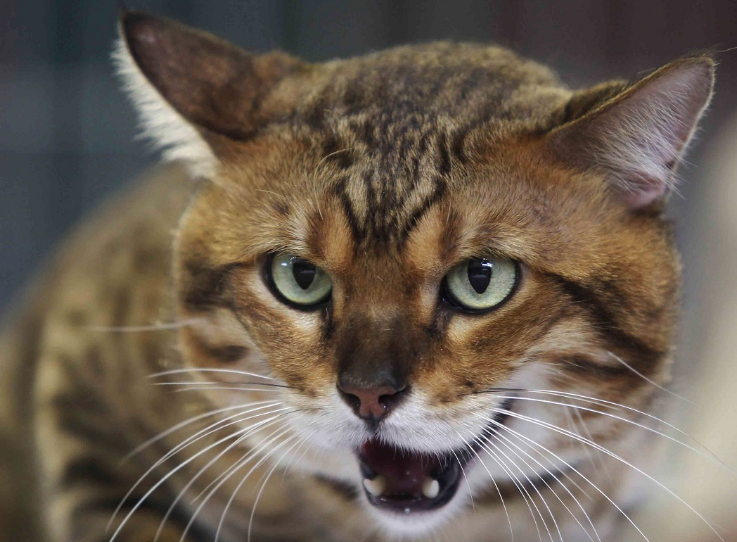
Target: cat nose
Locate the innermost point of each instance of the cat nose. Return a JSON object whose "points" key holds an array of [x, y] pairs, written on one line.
{"points": [[372, 403]]}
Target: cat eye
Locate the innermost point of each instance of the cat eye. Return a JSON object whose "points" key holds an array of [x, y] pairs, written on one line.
{"points": [[480, 284], [297, 281]]}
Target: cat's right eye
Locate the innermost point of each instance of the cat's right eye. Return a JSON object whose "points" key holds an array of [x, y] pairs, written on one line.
{"points": [[297, 281]]}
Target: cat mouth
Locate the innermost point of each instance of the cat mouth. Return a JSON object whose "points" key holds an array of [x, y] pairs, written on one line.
{"points": [[406, 482]]}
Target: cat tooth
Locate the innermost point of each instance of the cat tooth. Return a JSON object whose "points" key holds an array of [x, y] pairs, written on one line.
{"points": [[376, 486], [430, 488]]}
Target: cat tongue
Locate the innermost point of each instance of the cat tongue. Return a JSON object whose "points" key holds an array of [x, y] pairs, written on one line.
{"points": [[403, 472]]}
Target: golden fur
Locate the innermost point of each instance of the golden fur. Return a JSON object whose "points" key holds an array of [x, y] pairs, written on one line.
{"points": [[385, 171]]}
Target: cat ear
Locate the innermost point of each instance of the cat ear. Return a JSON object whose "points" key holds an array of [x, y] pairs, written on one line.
{"points": [[194, 92], [636, 134]]}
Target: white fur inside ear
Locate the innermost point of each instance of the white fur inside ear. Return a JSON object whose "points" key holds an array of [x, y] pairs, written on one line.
{"points": [[161, 123], [640, 140]]}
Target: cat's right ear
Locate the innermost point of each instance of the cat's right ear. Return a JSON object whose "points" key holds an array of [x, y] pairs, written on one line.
{"points": [[196, 94], [635, 134]]}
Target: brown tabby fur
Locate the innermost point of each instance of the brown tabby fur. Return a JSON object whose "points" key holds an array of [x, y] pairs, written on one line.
{"points": [[385, 171]]}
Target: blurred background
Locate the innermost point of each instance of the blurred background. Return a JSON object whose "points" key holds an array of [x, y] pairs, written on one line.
{"points": [[67, 140]]}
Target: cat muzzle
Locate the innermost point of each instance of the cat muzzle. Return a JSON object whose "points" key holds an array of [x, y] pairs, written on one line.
{"points": [[405, 482]]}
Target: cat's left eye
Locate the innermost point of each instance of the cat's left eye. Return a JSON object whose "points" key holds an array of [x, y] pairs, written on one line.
{"points": [[480, 284], [297, 281]]}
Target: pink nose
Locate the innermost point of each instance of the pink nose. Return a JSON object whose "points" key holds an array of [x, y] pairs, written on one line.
{"points": [[371, 403]]}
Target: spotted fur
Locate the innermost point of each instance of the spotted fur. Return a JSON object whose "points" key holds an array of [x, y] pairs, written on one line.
{"points": [[385, 171]]}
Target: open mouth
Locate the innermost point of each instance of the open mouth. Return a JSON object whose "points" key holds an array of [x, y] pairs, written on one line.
{"points": [[404, 481]]}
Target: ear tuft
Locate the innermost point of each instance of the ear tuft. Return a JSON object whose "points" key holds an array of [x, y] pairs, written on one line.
{"points": [[195, 93], [160, 122], [636, 137]]}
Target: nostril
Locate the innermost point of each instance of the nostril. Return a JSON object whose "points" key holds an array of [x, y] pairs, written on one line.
{"points": [[353, 401], [372, 403]]}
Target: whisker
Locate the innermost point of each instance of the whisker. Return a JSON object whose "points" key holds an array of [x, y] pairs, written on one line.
{"points": [[230, 469], [615, 456], [184, 444], [263, 485], [226, 422], [646, 379], [507, 444], [208, 370], [514, 480], [611, 404], [506, 512], [698, 452], [534, 487], [573, 469], [244, 435], [216, 383], [486, 443], [157, 485], [578, 424], [292, 460], [239, 464], [468, 485], [138, 449], [225, 388], [154, 327]]}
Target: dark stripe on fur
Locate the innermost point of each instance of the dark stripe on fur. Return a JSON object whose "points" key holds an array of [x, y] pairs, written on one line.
{"points": [[344, 489], [340, 190], [90, 516], [435, 196], [224, 354], [590, 368], [206, 287], [86, 470], [607, 325]]}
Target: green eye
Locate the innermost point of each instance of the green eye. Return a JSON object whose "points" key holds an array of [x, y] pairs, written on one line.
{"points": [[480, 284], [297, 281]]}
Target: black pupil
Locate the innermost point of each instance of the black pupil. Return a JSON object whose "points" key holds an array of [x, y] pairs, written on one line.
{"points": [[479, 274], [304, 272]]}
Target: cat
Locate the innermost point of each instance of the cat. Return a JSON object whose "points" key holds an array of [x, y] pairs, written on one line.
{"points": [[424, 294]]}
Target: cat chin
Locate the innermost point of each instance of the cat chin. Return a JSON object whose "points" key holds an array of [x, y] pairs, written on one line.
{"points": [[401, 526]]}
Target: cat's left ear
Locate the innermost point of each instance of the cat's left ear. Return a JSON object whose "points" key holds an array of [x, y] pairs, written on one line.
{"points": [[197, 95], [636, 134]]}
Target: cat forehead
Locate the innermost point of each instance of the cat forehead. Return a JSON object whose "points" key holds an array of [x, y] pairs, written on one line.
{"points": [[388, 132], [402, 89]]}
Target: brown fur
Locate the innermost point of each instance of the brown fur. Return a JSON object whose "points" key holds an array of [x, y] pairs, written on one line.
{"points": [[385, 171]]}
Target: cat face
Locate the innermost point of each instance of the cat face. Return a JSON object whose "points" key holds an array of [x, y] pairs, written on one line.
{"points": [[427, 253]]}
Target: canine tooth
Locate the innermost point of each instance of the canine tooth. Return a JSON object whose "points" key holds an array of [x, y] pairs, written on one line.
{"points": [[430, 488], [375, 486]]}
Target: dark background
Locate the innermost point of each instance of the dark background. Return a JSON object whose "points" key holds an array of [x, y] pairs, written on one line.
{"points": [[67, 134]]}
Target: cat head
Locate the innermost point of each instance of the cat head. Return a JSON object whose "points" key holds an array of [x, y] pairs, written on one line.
{"points": [[427, 249]]}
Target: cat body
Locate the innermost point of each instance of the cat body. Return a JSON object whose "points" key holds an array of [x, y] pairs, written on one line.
{"points": [[411, 295]]}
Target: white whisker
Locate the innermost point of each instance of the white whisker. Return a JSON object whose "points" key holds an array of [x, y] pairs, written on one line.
{"points": [[698, 452], [153, 327], [618, 458], [156, 486], [208, 370], [573, 469], [202, 470], [507, 444], [486, 443], [238, 465], [514, 480], [181, 425], [263, 485], [646, 379], [506, 512], [183, 445]]}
